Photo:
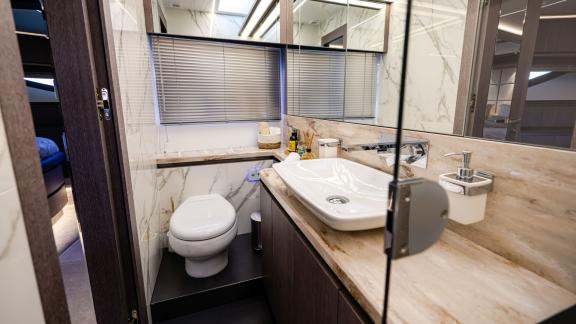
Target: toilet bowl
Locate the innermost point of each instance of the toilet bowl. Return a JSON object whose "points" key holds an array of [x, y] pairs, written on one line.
{"points": [[201, 229]]}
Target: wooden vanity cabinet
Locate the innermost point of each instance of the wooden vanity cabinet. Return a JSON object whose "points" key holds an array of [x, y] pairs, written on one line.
{"points": [[315, 290], [300, 286], [349, 312]]}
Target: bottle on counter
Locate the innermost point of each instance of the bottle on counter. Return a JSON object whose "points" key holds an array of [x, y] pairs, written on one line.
{"points": [[301, 149], [293, 142]]}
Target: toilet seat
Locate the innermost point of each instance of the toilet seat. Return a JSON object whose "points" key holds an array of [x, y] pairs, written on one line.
{"points": [[202, 218]]}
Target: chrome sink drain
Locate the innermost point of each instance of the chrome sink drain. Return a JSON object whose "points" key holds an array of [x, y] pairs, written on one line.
{"points": [[337, 200]]}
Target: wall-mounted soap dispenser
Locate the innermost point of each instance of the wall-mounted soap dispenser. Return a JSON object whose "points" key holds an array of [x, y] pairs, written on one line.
{"points": [[467, 191]]}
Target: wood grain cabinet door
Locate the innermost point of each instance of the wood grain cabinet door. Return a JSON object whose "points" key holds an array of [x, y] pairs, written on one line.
{"points": [[315, 290], [282, 266], [349, 312], [267, 241]]}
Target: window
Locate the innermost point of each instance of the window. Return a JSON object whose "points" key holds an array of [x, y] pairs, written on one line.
{"points": [[204, 81], [361, 93], [332, 84]]}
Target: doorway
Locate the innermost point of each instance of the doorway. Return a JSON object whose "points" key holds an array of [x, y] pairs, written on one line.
{"points": [[75, 202]]}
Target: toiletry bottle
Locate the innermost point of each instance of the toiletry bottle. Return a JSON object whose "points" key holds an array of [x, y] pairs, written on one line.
{"points": [[301, 149], [293, 143]]}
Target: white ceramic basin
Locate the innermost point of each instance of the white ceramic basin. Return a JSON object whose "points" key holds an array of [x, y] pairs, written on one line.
{"points": [[321, 184]]}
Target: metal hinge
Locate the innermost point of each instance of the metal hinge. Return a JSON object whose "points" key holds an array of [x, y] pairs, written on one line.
{"points": [[472, 103], [417, 215], [133, 319], [103, 104]]}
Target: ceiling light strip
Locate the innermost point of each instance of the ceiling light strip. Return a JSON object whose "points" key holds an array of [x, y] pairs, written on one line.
{"points": [[357, 3], [269, 21], [257, 13], [558, 17]]}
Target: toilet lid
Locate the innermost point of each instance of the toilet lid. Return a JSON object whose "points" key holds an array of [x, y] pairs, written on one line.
{"points": [[202, 218]]}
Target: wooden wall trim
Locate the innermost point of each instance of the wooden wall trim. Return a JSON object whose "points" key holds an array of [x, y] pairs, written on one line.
{"points": [[483, 68], [148, 18], [527, 47], [20, 135], [386, 40], [286, 22], [466, 66], [573, 142]]}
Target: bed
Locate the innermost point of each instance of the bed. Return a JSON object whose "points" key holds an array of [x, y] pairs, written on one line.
{"points": [[53, 161]]}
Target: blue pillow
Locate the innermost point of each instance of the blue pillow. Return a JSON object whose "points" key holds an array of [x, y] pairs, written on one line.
{"points": [[46, 147]]}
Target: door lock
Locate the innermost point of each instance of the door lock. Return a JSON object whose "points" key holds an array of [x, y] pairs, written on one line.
{"points": [[103, 104]]}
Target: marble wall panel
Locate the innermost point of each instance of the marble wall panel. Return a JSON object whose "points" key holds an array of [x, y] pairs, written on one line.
{"points": [[231, 180], [135, 81], [205, 24], [19, 297], [436, 42]]}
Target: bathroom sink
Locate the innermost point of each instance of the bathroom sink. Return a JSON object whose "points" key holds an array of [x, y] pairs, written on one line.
{"points": [[345, 195]]}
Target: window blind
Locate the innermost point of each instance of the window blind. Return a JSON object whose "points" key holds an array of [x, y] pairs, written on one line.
{"points": [[361, 94], [202, 81], [332, 84], [315, 83]]}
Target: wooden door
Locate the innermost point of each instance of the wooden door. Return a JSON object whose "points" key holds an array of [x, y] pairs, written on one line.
{"points": [[349, 312], [282, 266], [80, 39], [315, 290], [267, 241]]}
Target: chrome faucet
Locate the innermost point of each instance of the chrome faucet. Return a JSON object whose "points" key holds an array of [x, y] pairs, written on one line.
{"points": [[412, 151]]}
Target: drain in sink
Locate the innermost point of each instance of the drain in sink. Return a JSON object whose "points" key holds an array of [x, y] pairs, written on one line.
{"points": [[337, 200]]}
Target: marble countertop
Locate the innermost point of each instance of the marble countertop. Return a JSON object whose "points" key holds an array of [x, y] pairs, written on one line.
{"points": [[219, 155], [454, 281]]}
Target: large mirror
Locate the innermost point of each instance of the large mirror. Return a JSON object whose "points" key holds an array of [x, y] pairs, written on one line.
{"points": [[505, 70], [250, 20], [358, 25], [333, 66], [526, 81]]}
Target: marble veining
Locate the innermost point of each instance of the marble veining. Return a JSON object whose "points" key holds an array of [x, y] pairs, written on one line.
{"points": [[530, 213], [365, 26], [204, 24], [20, 302], [135, 80], [455, 281], [231, 180], [436, 43]]}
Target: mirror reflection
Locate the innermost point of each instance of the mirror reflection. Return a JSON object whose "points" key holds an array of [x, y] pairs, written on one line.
{"points": [[503, 71], [253, 20], [333, 72], [529, 95], [359, 25]]}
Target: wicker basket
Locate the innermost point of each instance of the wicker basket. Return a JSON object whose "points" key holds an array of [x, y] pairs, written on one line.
{"points": [[269, 146]]}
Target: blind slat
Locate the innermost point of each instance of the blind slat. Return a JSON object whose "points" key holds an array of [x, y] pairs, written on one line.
{"points": [[199, 81], [327, 84]]}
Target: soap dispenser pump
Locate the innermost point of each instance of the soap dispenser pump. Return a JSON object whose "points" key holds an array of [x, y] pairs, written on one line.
{"points": [[464, 172], [467, 191]]}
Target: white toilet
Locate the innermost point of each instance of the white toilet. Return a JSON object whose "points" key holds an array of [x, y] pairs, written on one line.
{"points": [[201, 229]]}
